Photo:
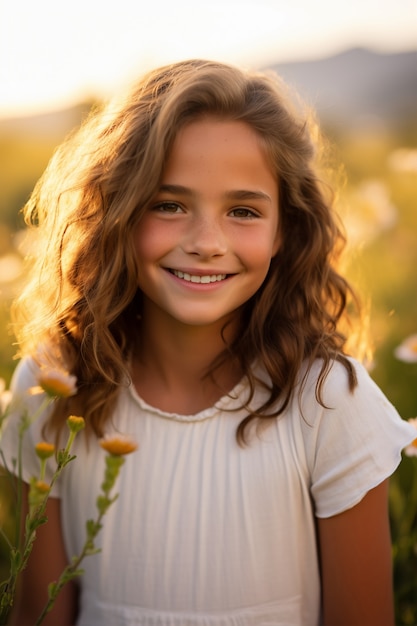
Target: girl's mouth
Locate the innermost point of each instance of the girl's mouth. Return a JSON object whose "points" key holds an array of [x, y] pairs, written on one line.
{"points": [[195, 278]]}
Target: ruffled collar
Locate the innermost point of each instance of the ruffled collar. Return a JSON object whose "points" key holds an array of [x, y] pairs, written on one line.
{"points": [[231, 401]]}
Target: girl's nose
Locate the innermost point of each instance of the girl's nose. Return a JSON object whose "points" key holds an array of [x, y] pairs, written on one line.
{"points": [[205, 238]]}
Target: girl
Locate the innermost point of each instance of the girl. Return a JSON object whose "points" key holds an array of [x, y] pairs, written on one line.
{"points": [[187, 277]]}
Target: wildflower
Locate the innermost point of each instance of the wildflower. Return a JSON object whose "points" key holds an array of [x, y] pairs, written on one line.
{"points": [[42, 487], [118, 445], [44, 449], [407, 350], [411, 450], [38, 491], [75, 424], [55, 383]]}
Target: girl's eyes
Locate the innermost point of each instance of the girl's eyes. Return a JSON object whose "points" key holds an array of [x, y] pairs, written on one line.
{"points": [[167, 207], [243, 212], [172, 208]]}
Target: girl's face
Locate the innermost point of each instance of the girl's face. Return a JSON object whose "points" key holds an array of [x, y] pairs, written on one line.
{"points": [[205, 243]]}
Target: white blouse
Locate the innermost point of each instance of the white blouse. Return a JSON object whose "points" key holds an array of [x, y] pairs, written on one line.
{"points": [[207, 533]]}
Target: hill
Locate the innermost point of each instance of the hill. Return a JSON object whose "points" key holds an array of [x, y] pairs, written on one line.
{"points": [[355, 87], [358, 86]]}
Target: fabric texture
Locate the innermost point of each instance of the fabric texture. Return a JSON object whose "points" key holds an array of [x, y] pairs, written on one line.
{"points": [[207, 533]]}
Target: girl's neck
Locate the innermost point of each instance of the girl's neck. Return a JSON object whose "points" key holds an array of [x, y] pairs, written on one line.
{"points": [[171, 367]]}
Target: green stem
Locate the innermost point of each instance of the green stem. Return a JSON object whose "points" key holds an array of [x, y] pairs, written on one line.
{"points": [[113, 465], [19, 493], [71, 571], [42, 470], [19, 554]]}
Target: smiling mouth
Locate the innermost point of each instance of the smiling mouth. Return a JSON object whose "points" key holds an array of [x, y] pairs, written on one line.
{"points": [[195, 278]]}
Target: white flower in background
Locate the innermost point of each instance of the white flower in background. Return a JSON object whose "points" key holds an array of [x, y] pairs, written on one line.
{"points": [[370, 211], [407, 350], [411, 450], [403, 160], [10, 267], [55, 382]]}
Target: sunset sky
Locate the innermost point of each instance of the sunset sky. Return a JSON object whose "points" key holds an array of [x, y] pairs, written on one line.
{"points": [[54, 53]]}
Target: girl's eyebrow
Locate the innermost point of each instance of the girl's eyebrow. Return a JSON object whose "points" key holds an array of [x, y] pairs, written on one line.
{"points": [[246, 194], [176, 189], [238, 194]]}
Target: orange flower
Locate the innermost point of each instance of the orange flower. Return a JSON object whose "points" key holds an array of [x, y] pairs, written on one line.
{"points": [[41, 486], [44, 449], [75, 424], [118, 445], [56, 383]]}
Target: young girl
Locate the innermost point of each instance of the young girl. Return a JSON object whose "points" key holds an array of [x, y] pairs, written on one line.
{"points": [[186, 275]]}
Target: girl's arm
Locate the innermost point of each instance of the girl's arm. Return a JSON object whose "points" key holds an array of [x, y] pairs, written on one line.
{"points": [[356, 568], [46, 562]]}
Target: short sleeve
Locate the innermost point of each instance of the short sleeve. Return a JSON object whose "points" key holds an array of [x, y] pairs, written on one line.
{"points": [[352, 444], [23, 402]]}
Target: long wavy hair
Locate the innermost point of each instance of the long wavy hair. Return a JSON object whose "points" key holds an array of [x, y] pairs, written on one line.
{"points": [[83, 300]]}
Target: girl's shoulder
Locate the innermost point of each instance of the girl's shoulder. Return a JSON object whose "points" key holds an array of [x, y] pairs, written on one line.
{"points": [[335, 385], [23, 386], [29, 406], [347, 419], [352, 439], [25, 375]]}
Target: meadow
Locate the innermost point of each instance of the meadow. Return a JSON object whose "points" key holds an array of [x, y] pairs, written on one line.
{"points": [[378, 202]]}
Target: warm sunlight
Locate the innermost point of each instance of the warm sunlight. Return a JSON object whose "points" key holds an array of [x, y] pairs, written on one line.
{"points": [[225, 255], [54, 53]]}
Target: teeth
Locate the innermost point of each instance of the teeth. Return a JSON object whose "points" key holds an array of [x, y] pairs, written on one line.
{"points": [[192, 278]]}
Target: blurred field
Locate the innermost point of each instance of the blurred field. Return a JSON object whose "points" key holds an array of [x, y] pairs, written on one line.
{"points": [[378, 203]]}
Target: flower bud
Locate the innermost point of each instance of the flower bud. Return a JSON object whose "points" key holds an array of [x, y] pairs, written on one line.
{"points": [[118, 445], [44, 449], [75, 424]]}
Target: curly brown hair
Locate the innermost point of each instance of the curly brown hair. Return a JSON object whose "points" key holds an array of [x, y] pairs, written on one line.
{"points": [[83, 298]]}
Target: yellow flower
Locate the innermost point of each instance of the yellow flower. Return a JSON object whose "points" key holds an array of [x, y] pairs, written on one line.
{"points": [[56, 383], [38, 491], [44, 449], [118, 445], [75, 424], [41, 487], [407, 350]]}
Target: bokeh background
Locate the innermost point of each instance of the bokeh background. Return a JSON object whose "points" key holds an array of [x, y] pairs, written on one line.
{"points": [[355, 63]]}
